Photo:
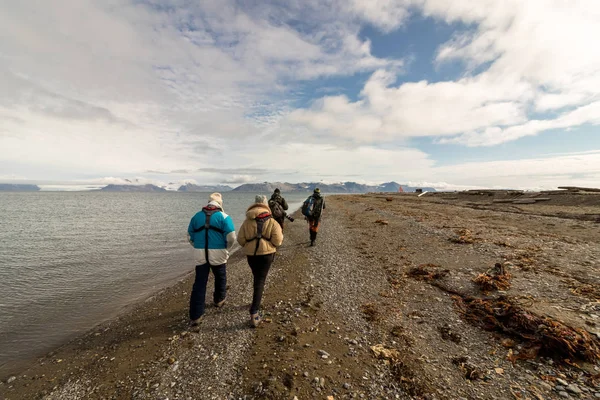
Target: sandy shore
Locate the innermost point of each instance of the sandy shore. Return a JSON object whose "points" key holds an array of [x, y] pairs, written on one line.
{"points": [[379, 309]]}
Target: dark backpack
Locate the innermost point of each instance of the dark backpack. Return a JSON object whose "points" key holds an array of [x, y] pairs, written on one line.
{"points": [[260, 222], [276, 209], [311, 207]]}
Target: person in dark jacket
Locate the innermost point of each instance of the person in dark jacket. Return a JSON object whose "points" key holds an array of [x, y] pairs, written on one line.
{"points": [[278, 207], [314, 218]]}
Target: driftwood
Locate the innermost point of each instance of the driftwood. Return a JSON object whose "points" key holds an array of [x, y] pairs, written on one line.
{"points": [[556, 192], [530, 200], [524, 201], [491, 192], [579, 189]]}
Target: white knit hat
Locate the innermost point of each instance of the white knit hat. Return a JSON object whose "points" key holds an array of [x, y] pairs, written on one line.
{"points": [[216, 197], [261, 199]]}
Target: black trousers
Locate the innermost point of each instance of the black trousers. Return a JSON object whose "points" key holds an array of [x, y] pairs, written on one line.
{"points": [[280, 221], [260, 266], [197, 299]]}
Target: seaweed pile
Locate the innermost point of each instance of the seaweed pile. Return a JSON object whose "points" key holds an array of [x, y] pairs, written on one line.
{"points": [[497, 279], [465, 236], [544, 335], [422, 272]]}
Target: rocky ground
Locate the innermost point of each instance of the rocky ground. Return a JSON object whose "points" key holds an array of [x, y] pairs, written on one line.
{"points": [[380, 308]]}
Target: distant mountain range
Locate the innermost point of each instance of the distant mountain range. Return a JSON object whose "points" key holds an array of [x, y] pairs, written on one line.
{"points": [[190, 187], [11, 187], [344, 187], [132, 188], [265, 187]]}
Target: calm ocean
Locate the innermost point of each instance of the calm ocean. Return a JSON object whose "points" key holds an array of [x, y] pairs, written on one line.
{"points": [[70, 260]]}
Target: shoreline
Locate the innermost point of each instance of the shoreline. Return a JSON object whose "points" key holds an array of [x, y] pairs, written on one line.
{"points": [[328, 306], [13, 367], [186, 278]]}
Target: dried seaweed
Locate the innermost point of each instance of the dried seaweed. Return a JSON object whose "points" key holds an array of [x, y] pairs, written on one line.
{"points": [[496, 279], [585, 290], [464, 237], [371, 312], [551, 337], [469, 370], [428, 272]]}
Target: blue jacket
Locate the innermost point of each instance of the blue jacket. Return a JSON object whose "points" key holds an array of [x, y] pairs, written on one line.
{"points": [[219, 243]]}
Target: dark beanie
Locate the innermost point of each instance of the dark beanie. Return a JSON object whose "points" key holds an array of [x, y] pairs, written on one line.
{"points": [[277, 190]]}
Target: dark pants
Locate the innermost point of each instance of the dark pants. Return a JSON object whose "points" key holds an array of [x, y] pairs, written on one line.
{"points": [[260, 266], [280, 221], [197, 299], [313, 229]]}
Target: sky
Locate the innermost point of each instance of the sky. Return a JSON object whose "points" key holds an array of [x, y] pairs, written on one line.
{"points": [[468, 93]]}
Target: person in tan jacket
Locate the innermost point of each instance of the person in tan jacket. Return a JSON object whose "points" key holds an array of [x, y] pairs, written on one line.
{"points": [[260, 235]]}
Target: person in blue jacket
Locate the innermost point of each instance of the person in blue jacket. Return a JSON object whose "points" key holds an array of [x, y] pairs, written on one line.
{"points": [[212, 234]]}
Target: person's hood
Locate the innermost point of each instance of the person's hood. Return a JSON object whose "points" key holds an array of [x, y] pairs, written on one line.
{"points": [[256, 209]]}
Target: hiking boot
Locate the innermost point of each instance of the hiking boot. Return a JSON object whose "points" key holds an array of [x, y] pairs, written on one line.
{"points": [[195, 323], [255, 320], [220, 303], [313, 237]]}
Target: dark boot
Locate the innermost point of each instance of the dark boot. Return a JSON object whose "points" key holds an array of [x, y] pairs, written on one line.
{"points": [[313, 237]]}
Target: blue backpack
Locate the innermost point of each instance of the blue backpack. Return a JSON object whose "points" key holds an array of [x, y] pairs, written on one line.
{"points": [[310, 207]]}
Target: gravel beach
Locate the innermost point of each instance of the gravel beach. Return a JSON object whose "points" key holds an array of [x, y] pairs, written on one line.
{"points": [[380, 308]]}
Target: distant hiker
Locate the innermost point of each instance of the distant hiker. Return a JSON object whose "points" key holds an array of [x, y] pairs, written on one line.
{"points": [[312, 208], [260, 235], [278, 207], [212, 234]]}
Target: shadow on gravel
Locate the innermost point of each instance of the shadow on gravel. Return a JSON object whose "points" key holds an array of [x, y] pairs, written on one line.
{"points": [[238, 326]]}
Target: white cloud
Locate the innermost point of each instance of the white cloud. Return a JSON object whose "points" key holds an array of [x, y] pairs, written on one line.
{"points": [[577, 169], [302, 163], [386, 14], [534, 56], [124, 88], [240, 179], [588, 114], [133, 86], [545, 43], [387, 113], [295, 162]]}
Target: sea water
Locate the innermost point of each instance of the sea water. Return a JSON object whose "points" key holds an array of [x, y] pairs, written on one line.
{"points": [[71, 260]]}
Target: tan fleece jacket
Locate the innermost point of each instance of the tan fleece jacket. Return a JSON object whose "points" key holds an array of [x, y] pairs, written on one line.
{"points": [[272, 233]]}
